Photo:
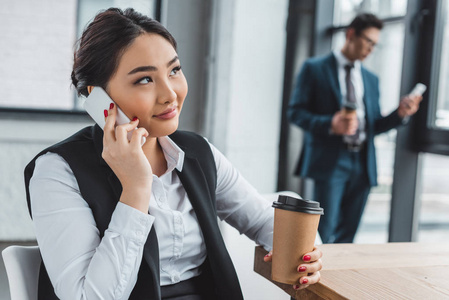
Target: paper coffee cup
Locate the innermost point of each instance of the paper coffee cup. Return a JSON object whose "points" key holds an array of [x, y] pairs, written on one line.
{"points": [[295, 227], [349, 109]]}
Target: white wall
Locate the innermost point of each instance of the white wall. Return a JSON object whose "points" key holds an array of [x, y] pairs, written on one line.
{"points": [[244, 113], [254, 77], [20, 141]]}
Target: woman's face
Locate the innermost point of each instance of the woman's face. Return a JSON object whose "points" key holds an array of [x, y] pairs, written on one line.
{"points": [[150, 85]]}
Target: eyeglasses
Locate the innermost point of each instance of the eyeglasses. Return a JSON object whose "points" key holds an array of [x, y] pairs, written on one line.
{"points": [[370, 42]]}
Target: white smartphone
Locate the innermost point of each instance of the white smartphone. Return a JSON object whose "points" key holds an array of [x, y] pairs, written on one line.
{"points": [[418, 90], [95, 104]]}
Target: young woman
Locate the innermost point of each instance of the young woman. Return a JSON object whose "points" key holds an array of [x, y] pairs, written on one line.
{"points": [[118, 220]]}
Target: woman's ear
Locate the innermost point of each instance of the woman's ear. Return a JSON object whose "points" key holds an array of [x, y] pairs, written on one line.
{"points": [[90, 88]]}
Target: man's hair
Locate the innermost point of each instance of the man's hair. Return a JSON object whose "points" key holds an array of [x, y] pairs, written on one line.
{"points": [[364, 21]]}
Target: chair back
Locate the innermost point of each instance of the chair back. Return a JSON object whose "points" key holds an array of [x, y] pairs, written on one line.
{"points": [[22, 264]]}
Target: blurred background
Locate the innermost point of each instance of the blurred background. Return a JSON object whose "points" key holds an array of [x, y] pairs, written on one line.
{"points": [[240, 58]]}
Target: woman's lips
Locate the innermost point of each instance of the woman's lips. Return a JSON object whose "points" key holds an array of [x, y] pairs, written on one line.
{"points": [[167, 114]]}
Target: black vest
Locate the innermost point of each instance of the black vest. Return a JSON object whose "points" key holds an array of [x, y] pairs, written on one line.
{"points": [[101, 189]]}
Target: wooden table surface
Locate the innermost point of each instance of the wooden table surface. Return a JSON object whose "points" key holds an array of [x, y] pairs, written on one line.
{"points": [[374, 271]]}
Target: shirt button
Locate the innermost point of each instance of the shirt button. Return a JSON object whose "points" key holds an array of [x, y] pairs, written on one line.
{"points": [[138, 232], [175, 278]]}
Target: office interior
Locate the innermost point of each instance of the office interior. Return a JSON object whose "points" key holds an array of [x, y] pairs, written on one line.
{"points": [[240, 58]]}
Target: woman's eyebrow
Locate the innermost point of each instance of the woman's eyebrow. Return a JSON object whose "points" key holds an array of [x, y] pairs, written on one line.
{"points": [[174, 59], [142, 69], [151, 68]]}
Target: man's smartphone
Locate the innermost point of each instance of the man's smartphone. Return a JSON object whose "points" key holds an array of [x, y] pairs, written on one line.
{"points": [[418, 90], [95, 104]]}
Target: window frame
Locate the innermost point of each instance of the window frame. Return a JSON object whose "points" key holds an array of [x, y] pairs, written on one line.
{"points": [[429, 138]]}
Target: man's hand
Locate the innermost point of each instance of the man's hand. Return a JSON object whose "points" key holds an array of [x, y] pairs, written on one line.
{"points": [[344, 123], [409, 105]]}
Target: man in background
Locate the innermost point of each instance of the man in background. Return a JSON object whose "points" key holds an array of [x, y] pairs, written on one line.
{"points": [[336, 103]]}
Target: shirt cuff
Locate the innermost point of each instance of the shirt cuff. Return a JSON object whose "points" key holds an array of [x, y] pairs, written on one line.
{"points": [[405, 120], [131, 223]]}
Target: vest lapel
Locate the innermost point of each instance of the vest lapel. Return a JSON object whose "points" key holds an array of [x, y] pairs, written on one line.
{"points": [[194, 181]]}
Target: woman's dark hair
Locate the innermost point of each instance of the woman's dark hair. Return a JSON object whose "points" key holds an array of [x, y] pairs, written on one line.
{"points": [[103, 43], [364, 21]]}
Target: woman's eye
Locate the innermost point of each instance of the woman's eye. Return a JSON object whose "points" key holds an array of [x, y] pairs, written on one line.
{"points": [[144, 80], [175, 70]]}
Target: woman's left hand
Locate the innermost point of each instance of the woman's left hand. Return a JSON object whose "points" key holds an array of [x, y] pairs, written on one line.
{"points": [[311, 264]]}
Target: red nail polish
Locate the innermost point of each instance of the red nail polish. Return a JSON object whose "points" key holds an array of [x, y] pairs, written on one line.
{"points": [[105, 113], [306, 258], [111, 106], [302, 269], [296, 287], [305, 280], [135, 118]]}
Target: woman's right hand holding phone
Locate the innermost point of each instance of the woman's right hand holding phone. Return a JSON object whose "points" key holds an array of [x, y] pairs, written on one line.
{"points": [[127, 160]]}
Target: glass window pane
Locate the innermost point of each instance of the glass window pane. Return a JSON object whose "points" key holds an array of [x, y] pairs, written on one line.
{"points": [[346, 10], [434, 217], [88, 9], [386, 62], [36, 53], [442, 108]]}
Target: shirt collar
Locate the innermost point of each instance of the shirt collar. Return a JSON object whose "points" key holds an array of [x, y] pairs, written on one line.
{"points": [[173, 154], [342, 60]]}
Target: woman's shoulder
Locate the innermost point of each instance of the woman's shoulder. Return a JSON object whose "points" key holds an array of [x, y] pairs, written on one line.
{"points": [[85, 135]]}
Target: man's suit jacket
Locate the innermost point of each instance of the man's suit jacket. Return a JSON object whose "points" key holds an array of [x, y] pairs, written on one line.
{"points": [[315, 99]]}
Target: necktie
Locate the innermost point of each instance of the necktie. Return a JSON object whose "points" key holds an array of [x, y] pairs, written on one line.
{"points": [[350, 96], [350, 92]]}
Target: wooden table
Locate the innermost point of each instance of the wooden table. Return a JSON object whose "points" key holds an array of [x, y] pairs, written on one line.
{"points": [[381, 271]]}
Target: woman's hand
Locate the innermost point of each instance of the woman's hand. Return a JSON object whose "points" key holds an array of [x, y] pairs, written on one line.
{"points": [[312, 265], [127, 160]]}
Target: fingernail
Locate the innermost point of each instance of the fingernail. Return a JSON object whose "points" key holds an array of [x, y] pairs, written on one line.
{"points": [[105, 113], [268, 255], [296, 287], [135, 118], [306, 258], [304, 281], [302, 269], [111, 106]]}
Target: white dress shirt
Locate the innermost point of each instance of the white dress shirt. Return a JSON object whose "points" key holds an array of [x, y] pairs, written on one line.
{"points": [[83, 266], [357, 81]]}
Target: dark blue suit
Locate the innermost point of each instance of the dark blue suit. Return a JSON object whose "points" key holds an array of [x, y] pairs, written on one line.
{"points": [[342, 178]]}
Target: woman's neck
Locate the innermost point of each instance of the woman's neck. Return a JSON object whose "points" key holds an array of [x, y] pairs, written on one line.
{"points": [[155, 155]]}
